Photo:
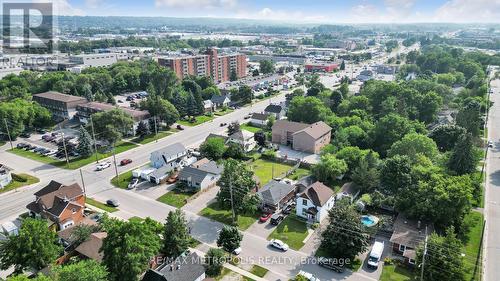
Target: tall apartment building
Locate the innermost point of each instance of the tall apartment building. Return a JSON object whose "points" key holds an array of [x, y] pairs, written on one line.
{"points": [[218, 66]]}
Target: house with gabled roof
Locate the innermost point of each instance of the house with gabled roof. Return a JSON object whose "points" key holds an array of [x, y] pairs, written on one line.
{"points": [[408, 234], [61, 204], [184, 268], [244, 138], [274, 195], [314, 202], [276, 110], [303, 137], [201, 175]]}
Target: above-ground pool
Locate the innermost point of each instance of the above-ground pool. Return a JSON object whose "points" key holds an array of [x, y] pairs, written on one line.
{"points": [[369, 220]]}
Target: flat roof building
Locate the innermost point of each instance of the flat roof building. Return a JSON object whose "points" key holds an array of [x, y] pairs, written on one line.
{"points": [[62, 106]]}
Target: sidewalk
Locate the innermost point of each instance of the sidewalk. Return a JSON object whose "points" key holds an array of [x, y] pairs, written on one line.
{"points": [[202, 201]]}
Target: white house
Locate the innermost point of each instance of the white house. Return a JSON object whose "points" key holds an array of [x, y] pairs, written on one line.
{"points": [[201, 175], [220, 101], [170, 156], [315, 201], [208, 106], [276, 110], [244, 138], [259, 119], [5, 176]]}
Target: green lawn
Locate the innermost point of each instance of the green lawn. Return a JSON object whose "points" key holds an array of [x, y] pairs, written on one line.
{"points": [[266, 170], [223, 112], [14, 184], [175, 198], [291, 231], [393, 272], [472, 247], [122, 180], [199, 120], [73, 163], [135, 218], [258, 270], [100, 205], [152, 137], [250, 128], [213, 211]]}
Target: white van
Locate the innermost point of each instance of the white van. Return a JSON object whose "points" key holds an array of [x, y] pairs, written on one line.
{"points": [[375, 254]]}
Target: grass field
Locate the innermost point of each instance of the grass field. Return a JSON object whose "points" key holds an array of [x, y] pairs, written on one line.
{"points": [[17, 184], [250, 128], [291, 231], [175, 198], [213, 211], [122, 180], [266, 170], [199, 120], [472, 247], [100, 205], [393, 272], [73, 163]]}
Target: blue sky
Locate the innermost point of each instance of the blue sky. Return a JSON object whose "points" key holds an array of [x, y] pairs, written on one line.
{"points": [[333, 11]]}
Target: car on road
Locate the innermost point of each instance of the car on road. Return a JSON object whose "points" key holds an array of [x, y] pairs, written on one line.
{"points": [[490, 144], [223, 124], [125, 162], [237, 251], [113, 202], [331, 264], [133, 183], [307, 276], [179, 127], [278, 244], [102, 166], [264, 217]]}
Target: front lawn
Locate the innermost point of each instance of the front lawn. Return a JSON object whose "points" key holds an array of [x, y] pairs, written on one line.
{"points": [[152, 137], [213, 211], [223, 112], [122, 180], [472, 247], [73, 163], [266, 170], [394, 272], [250, 128], [258, 271], [100, 205], [15, 183], [198, 120], [292, 231], [175, 198]]}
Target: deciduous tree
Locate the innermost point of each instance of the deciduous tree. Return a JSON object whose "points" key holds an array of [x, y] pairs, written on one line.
{"points": [[229, 238]]}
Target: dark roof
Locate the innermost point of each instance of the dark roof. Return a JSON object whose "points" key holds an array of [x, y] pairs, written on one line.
{"points": [[274, 108], [65, 192], [188, 268], [409, 232], [274, 191], [66, 233], [199, 170], [219, 99], [52, 95], [349, 189], [318, 193], [92, 246], [51, 187], [172, 149], [260, 116]]}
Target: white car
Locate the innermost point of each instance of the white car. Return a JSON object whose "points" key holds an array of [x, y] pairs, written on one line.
{"points": [[133, 183], [237, 251], [51, 152], [103, 166], [279, 244], [490, 144], [308, 276]]}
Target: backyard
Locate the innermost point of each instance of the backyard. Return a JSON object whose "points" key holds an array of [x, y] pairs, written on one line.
{"points": [[175, 198], [20, 181], [250, 128], [266, 170], [73, 163], [213, 211], [292, 231]]}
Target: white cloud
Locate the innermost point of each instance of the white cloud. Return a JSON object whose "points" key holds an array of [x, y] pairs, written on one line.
{"points": [[280, 15], [399, 4], [468, 11], [93, 4], [62, 7], [196, 4]]}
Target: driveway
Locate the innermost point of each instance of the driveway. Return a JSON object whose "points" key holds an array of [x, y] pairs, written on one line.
{"points": [[288, 152], [261, 229]]}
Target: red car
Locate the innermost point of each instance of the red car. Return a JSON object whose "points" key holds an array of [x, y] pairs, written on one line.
{"points": [[265, 217], [125, 162]]}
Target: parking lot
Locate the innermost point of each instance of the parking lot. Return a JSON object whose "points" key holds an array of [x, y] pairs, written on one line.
{"points": [[47, 144]]}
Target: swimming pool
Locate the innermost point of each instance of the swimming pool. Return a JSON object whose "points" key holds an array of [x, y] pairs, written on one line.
{"points": [[369, 220]]}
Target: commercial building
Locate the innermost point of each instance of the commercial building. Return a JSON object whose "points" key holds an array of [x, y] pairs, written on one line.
{"points": [[98, 60], [218, 66], [62, 106], [317, 66]]}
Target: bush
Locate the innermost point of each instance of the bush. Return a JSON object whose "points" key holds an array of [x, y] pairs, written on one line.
{"points": [[269, 154], [19, 178], [315, 225], [388, 261]]}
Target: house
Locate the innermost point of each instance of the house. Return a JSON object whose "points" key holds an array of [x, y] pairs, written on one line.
{"points": [[407, 236], [303, 137], [208, 106], [259, 119], [274, 195], [62, 106], [365, 75], [170, 156], [5, 176], [220, 101], [201, 175], [188, 268], [276, 110], [244, 138], [314, 202], [348, 190], [62, 204], [66, 235], [91, 248]]}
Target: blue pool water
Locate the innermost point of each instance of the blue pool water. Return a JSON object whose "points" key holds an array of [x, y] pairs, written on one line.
{"points": [[368, 220]]}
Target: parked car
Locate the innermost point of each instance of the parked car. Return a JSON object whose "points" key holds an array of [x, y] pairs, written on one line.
{"points": [[237, 251], [21, 145], [375, 254], [264, 217], [102, 166], [74, 154], [29, 147], [278, 244], [277, 219], [331, 264], [133, 183], [179, 127], [307, 276], [173, 179], [246, 117], [490, 144], [25, 135], [125, 162], [223, 124], [40, 130], [113, 202], [96, 217]]}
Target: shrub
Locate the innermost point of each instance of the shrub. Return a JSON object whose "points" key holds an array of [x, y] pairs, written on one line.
{"points": [[315, 225], [388, 261], [269, 154], [20, 178]]}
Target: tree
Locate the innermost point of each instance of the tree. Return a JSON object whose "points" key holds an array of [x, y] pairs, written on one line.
{"points": [[413, 144], [161, 109], [342, 65], [443, 260], [22, 277], [85, 143], [229, 238], [210, 92], [392, 128], [234, 151], [469, 117], [395, 174], [35, 247], [112, 125], [255, 73], [352, 156], [236, 180], [85, 270], [344, 89], [214, 260], [244, 94], [344, 237], [233, 128], [233, 76], [446, 136], [329, 168], [196, 101], [307, 110], [367, 174], [129, 247], [175, 235], [463, 159], [213, 148], [81, 233], [142, 129], [266, 66], [260, 138]]}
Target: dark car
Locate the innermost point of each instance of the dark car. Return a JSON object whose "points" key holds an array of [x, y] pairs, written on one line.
{"points": [[331, 264], [25, 135], [179, 127], [277, 218], [41, 131], [29, 147], [125, 162], [113, 202], [21, 145]]}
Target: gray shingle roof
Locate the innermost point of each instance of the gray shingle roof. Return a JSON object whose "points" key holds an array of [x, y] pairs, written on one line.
{"points": [[274, 108], [172, 149], [274, 191], [199, 170], [187, 268]]}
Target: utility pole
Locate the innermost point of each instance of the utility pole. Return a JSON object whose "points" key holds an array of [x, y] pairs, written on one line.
{"points": [[64, 146], [231, 193], [83, 182], [95, 143], [8, 132], [423, 256], [156, 130], [114, 160]]}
